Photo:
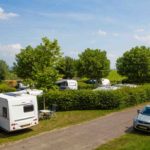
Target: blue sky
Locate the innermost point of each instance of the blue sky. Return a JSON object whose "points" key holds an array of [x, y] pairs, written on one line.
{"points": [[111, 25]]}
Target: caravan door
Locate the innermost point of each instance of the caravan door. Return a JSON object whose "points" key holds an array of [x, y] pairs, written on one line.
{"points": [[4, 114]]}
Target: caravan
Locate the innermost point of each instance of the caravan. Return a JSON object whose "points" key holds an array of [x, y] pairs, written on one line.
{"points": [[18, 111], [67, 84]]}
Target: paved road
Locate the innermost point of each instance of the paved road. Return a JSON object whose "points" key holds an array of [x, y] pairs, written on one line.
{"points": [[86, 136]]}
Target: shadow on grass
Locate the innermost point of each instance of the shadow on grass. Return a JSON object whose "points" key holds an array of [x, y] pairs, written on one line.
{"points": [[5, 134], [131, 130]]}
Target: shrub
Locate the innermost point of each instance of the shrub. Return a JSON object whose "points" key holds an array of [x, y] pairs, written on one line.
{"points": [[85, 86], [108, 100], [87, 99], [6, 88]]}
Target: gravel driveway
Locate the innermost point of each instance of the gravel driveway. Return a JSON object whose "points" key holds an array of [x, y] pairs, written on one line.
{"points": [[85, 136]]}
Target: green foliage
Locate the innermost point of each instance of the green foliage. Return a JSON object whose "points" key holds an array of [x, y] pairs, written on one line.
{"points": [[93, 64], [24, 66], [67, 67], [6, 88], [114, 77], [11, 76], [46, 78], [135, 64], [87, 99], [4, 70], [83, 86], [39, 64]]}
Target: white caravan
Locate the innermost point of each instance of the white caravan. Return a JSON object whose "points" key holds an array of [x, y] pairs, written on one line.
{"points": [[34, 92], [18, 111], [67, 84], [105, 82]]}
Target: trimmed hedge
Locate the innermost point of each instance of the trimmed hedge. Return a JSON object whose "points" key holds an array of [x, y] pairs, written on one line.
{"points": [[85, 86], [87, 99], [6, 88]]}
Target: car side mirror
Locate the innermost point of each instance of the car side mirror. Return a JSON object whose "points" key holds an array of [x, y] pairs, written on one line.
{"points": [[138, 111]]}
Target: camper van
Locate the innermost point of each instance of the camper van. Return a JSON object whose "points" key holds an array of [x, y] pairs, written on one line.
{"points": [[18, 111], [67, 84]]}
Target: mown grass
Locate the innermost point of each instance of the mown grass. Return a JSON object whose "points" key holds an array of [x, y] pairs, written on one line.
{"points": [[135, 140], [114, 77], [62, 119]]}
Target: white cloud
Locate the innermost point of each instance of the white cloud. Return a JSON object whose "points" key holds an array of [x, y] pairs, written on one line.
{"points": [[6, 15], [11, 48], [140, 30], [102, 33], [9, 51], [143, 38]]}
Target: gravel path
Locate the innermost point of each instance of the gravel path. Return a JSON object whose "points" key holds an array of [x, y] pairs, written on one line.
{"points": [[85, 136]]}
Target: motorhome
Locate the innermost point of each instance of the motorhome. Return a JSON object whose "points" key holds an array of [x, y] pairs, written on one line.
{"points": [[18, 111], [67, 84]]}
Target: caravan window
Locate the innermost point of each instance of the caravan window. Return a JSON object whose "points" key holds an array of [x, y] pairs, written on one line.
{"points": [[28, 108], [4, 112], [64, 83]]}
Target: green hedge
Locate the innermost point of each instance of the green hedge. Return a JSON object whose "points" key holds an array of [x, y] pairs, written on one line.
{"points": [[85, 86], [6, 88], [87, 99]]}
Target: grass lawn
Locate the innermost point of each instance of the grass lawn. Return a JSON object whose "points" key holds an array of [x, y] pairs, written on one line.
{"points": [[115, 77], [61, 120], [136, 140]]}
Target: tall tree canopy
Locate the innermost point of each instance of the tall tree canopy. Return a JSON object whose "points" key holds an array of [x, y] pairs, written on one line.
{"points": [[135, 64], [67, 67], [93, 64], [4, 70], [39, 64]]}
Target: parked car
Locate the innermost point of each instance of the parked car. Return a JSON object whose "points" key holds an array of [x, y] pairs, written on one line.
{"points": [[142, 120], [91, 81]]}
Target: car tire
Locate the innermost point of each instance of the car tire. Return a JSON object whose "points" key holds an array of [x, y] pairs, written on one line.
{"points": [[134, 129]]}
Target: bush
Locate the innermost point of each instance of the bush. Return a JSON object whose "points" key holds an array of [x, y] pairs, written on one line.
{"points": [[87, 99], [85, 86], [6, 88]]}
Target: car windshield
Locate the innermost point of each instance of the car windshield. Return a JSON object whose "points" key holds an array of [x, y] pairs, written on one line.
{"points": [[146, 111]]}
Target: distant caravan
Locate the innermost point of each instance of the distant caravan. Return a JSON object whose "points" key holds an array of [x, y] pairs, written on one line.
{"points": [[67, 84], [18, 111]]}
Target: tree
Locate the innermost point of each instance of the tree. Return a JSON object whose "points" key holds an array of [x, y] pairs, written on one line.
{"points": [[135, 64], [39, 64], [4, 70], [67, 67], [93, 64], [25, 60]]}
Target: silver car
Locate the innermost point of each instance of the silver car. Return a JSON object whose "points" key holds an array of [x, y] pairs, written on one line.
{"points": [[142, 120]]}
